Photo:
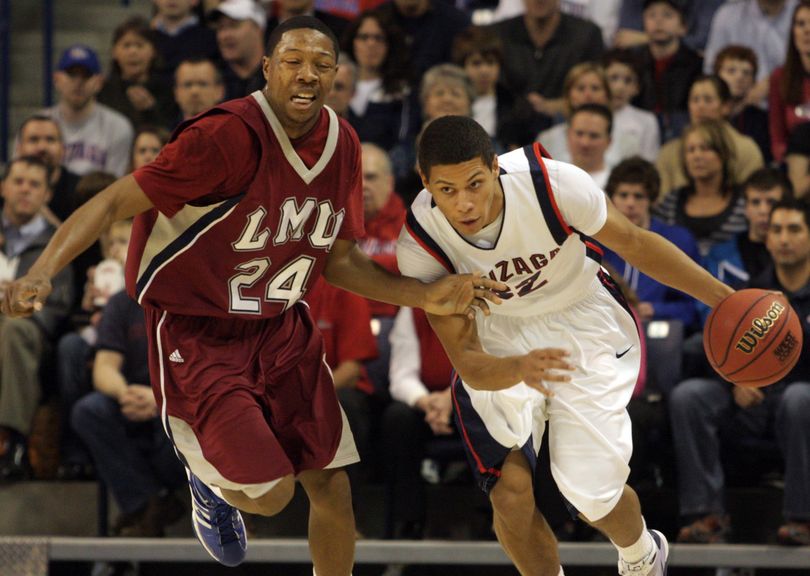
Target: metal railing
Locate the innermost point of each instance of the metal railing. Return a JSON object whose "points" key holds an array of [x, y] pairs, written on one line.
{"points": [[434, 552]]}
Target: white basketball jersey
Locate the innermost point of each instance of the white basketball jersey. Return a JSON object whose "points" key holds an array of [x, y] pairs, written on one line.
{"points": [[543, 252]]}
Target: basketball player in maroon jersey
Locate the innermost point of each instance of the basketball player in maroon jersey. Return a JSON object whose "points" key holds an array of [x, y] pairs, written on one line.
{"points": [[234, 221]]}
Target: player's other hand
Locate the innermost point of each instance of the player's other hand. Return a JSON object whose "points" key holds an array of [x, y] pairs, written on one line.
{"points": [[747, 397], [462, 294], [544, 365], [25, 296]]}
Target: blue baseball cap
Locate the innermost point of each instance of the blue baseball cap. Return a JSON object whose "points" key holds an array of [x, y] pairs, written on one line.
{"points": [[81, 56]]}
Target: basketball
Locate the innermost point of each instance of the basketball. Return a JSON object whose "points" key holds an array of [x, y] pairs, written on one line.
{"points": [[753, 338]]}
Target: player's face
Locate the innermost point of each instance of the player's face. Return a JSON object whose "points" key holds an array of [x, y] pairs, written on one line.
{"points": [[468, 194], [702, 161], [663, 23], [788, 238], [134, 55], [196, 88], [632, 201], [299, 75], [483, 72], [739, 75], [623, 84], [758, 205], [588, 89], [145, 149], [705, 103], [25, 191], [41, 138]]}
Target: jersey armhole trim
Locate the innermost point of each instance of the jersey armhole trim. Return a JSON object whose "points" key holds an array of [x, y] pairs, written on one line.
{"points": [[559, 228], [426, 242]]}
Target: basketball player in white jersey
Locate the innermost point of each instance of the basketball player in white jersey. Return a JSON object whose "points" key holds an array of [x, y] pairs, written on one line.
{"points": [[562, 348]]}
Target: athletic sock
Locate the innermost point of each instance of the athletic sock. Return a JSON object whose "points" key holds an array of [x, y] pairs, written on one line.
{"points": [[638, 550], [561, 572]]}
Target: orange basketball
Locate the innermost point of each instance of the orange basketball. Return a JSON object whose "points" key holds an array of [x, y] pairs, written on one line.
{"points": [[753, 338]]}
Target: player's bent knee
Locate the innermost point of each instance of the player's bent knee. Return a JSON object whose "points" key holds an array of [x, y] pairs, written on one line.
{"points": [[594, 510], [511, 496], [277, 498], [327, 487]]}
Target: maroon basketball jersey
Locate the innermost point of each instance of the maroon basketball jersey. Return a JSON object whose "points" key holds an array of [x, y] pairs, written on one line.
{"points": [[254, 253]]}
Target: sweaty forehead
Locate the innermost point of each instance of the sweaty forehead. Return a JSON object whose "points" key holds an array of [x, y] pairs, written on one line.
{"points": [[305, 40]]}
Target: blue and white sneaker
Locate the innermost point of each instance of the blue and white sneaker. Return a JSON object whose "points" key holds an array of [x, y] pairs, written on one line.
{"points": [[654, 565], [217, 524]]}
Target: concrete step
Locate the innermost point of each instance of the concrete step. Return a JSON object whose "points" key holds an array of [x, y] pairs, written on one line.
{"points": [[95, 15]]}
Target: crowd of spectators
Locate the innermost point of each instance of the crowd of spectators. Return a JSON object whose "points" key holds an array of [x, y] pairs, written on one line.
{"points": [[693, 116]]}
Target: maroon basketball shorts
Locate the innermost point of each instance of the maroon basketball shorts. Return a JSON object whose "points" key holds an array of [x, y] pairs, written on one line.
{"points": [[247, 402]]}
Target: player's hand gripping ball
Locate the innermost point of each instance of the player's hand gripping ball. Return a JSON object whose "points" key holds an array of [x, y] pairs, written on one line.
{"points": [[753, 337]]}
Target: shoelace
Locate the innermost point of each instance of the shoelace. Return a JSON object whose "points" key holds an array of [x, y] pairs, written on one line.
{"points": [[214, 512], [641, 567]]}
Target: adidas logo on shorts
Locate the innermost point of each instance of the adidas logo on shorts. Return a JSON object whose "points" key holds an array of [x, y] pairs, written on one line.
{"points": [[175, 357]]}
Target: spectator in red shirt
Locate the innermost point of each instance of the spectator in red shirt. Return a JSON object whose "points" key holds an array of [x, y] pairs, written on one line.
{"points": [[384, 216], [789, 96]]}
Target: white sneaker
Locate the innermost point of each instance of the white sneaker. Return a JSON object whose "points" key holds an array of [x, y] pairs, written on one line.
{"points": [[653, 565]]}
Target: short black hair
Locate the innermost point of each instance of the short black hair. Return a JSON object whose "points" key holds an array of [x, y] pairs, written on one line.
{"points": [[766, 179], [30, 161], [298, 22], [599, 110], [453, 140], [40, 117], [720, 86], [635, 170], [677, 5], [797, 204]]}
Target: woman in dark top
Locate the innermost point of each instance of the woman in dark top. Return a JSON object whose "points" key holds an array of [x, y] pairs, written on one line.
{"points": [[709, 206], [382, 110], [133, 88]]}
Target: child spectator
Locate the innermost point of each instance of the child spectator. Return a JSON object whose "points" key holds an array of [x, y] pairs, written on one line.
{"points": [[133, 86], [635, 131], [668, 66], [737, 66]]}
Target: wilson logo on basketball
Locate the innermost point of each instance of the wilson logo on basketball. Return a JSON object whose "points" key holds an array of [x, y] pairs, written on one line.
{"points": [[759, 327]]}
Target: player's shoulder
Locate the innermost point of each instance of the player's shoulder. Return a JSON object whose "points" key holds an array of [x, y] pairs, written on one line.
{"points": [[346, 131], [224, 126], [514, 161], [524, 160]]}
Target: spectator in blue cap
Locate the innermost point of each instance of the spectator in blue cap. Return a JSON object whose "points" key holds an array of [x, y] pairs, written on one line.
{"points": [[96, 137]]}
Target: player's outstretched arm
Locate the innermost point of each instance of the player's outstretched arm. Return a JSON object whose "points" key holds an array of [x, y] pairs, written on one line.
{"points": [[659, 258], [349, 268], [122, 199], [482, 371]]}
